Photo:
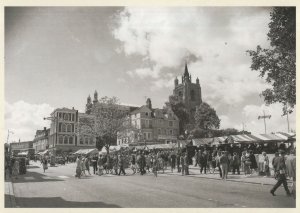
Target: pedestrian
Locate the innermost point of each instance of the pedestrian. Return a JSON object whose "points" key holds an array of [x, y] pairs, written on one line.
{"points": [[280, 175], [87, 164], [224, 163], [148, 162], [290, 163], [235, 163], [209, 161], [45, 163], [219, 154], [266, 168], [247, 164], [115, 164], [186, 164], [202, 162], [196, 157], [154, 164], [275, 161], [121, 164], [15, 168], [182, 163], [78, 167], [173, 160], [100, 165], [243, 159], [133, 163], [82, 165], [94, 163], [253, 165], [178, 161], [109, 164]]}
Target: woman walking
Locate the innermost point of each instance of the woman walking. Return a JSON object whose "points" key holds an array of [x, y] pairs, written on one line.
{"points": [[45, 164], [78, 167], [87, 164]]}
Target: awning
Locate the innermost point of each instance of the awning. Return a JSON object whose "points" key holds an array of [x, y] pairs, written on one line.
{"points": [[202, 141], [259, 138], [86, 151], [44, 152]]}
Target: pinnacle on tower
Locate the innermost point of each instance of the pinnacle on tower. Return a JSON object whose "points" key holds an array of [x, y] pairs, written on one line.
{"points": [[95, 96], [148, 103], [89, 100]]}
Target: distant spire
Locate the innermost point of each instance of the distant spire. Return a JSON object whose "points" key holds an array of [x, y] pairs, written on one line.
{"points": [[89, 100], [95, 96], [186, 72]]}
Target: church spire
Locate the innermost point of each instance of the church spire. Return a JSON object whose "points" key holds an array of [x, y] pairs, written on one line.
{"points": [[186, 72]]}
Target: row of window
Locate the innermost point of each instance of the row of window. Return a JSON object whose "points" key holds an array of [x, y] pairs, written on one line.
{"points": [[66, 116], [65, 139], [148, 123], [65, 127], [86, 141]]}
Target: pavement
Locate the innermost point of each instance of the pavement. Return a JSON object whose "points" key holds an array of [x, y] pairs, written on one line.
{"points": [[168, 190]]}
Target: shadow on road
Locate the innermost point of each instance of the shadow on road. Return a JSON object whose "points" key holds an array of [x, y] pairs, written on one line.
{"points": [[58, 202], [34, 177]]}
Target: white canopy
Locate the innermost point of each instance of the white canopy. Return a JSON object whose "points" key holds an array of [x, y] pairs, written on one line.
{"points": [[86, 151]]}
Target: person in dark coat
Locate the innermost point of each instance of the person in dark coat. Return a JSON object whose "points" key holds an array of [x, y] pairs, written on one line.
{"points": [[253, 165], [121, 162], [178, 156], [281, 176], [142, 164], [236, 163], [202, 162], [94, 163]]}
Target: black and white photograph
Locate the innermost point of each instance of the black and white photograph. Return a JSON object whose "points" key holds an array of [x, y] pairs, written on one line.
{"points": [[149, 106]]}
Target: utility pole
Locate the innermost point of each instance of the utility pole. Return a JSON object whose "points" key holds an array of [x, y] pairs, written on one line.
{"points": [[264, 117], [243, 125], [8, 132]]}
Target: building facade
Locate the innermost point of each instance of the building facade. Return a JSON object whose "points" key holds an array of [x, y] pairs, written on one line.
{"points": [[64, 134], [187, 92], [18, 147], [148, 125], [41, 140]]}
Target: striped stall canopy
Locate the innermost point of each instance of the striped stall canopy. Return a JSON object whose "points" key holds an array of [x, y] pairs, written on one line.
{"points": [[260, 138]]}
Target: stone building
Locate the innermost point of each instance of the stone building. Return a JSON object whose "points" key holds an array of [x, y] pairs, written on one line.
{"points": [[150, 125], [64, 135], [187, 92]]}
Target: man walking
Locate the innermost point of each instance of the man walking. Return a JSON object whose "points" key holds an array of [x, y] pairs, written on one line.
{"points": [[280, 174]]}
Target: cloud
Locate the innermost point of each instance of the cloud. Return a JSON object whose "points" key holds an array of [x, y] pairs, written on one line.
{"points": [[276, 123], [213, 41], [24, 119]]}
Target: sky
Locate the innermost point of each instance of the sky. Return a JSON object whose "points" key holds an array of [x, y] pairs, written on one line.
{"points": [[57, 56]]}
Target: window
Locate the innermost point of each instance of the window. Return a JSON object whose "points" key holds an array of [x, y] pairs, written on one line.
{"points": [[149, 135], [145, 135], [171, 132], [59, 115], [81, 140], [146, 113], [66, 117], [86, 141], [69, 128], [180, 94], [71, 140], [73, 117], [63, 127], [170, 123], [91, 141], [65, 140], [159, 131], [60, 139]]}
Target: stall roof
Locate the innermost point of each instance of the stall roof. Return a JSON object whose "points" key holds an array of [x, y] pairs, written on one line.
{"points": [[86, 151], [23, 153]]}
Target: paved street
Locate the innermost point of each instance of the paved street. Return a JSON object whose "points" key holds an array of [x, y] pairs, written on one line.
{"points": [[59, 188]]}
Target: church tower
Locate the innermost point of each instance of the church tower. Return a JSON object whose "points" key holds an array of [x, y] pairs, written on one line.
{"points": [[187, 92]]}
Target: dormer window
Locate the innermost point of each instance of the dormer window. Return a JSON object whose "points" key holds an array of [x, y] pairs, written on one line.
{"points": [[147, 113]]}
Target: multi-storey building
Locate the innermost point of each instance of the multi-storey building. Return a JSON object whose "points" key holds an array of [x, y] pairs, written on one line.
{"points": [[41, 140], [150, 125], [64, 133]]}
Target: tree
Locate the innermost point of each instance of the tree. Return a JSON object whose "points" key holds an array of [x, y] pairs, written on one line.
{"points": [[180, 111], [206, 117], [107, 118], [278, 63]]}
